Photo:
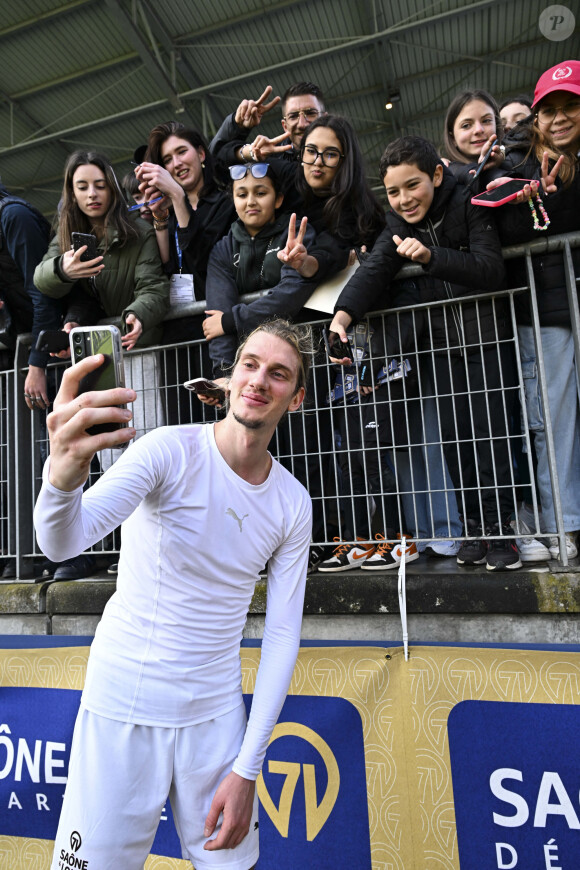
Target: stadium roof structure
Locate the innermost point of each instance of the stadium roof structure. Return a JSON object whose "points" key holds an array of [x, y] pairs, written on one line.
{"points": [[101, 73]]}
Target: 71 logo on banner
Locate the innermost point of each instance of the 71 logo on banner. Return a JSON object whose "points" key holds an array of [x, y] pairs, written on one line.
{"points": [[316, 814], [312, 789]]}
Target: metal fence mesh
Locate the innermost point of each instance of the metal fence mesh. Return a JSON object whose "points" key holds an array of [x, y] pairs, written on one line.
{"points": [[417, 441]]}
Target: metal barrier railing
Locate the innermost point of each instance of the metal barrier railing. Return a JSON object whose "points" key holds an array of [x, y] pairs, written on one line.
{"points": [[434, 442]]}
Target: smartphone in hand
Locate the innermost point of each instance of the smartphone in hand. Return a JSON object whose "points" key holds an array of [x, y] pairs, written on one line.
{"points": [[336, 348], [501, 194], [80, 239], [87, 341], [206, 388], [52, 341]]}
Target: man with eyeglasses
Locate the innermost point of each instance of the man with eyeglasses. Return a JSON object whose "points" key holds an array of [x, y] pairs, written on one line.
{"points": [[302, 103]]}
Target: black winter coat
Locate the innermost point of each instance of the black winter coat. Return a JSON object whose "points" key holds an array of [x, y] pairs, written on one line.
{"points": [[240, 264], [465, 260], [208, 223], [24, 237]]}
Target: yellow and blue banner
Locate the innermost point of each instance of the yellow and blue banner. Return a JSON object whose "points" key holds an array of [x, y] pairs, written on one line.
{"points": [[463, 757]]}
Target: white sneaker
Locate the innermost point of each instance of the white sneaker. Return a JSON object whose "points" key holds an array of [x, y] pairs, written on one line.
{"points": [[531, 549], [442, 548], [571, 548]]}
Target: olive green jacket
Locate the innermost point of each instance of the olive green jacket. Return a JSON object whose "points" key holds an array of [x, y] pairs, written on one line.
{"points": [[133, 280]]}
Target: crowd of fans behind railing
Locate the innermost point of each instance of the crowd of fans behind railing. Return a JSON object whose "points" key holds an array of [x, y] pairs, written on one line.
{"points": [[294, 218]]}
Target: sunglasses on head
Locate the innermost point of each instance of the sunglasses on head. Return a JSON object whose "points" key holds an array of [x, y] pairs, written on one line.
{"points": [[258, 170]]}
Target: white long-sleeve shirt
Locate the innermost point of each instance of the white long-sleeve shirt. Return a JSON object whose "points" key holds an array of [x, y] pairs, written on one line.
{"points": [[194, 537]]}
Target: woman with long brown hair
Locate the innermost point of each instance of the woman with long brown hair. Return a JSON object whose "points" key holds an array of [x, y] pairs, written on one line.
{"points": [[126, 278], [472, 127]]}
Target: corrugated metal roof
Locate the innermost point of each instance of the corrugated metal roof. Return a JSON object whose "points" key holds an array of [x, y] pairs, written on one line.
{"points": [[101, 73]]}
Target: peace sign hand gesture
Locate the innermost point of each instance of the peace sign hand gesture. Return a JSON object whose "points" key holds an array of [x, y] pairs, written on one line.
{"points": [[262, 146], [295, 253], [548, 177], [250, 112]]}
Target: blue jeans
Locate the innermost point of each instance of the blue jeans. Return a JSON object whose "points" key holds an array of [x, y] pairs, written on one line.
{"points": [[430, 504], [562, 387]]}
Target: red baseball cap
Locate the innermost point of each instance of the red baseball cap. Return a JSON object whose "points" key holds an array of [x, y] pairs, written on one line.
{"points": [[563, 77]]}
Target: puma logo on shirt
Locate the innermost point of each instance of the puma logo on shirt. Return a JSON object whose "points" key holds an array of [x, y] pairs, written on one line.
{"points": [[231, 512]]}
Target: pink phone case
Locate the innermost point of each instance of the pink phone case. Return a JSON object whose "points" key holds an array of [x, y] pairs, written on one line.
{"points": [[479, 199]]}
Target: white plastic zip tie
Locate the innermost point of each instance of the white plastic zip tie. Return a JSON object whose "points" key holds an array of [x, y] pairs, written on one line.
{"points": [[403, 598]]}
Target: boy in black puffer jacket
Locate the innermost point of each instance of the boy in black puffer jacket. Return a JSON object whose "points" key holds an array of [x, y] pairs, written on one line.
{"points": [[432, 222]]}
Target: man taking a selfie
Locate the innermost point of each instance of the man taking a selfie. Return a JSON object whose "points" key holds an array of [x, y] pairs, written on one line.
{"points": [[204, 508]]}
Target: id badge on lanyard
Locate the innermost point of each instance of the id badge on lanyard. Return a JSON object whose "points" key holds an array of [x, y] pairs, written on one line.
{"points": [[181, 289]]}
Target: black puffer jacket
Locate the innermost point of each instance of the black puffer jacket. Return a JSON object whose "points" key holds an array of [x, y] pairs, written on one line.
{"points": [[252, 263], [241, 263], [208, 223], [465, 260], [515, 226]]}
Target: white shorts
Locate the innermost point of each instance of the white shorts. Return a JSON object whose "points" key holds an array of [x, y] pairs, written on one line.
{"points": [[120, 776]]}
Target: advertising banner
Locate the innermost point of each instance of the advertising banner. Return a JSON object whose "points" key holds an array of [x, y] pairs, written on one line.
{"points": [[462, 757]]}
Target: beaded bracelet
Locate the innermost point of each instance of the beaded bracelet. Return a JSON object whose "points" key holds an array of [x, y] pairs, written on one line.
{"points": [[543, 212]]}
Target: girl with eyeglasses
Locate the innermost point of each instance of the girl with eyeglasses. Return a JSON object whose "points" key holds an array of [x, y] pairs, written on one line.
{"points": [[549, 206], [336, 195], [339, 202]]}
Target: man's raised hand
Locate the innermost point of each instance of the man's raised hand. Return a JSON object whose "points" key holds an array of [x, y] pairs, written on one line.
{"points": [[250, 112], [262, 146], [71, 447]]}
